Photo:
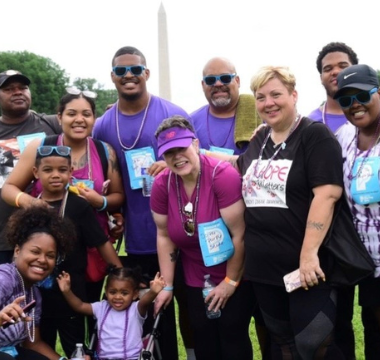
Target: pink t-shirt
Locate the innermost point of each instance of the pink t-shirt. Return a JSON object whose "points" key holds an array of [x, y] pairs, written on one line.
{"points": [[220, 187]]}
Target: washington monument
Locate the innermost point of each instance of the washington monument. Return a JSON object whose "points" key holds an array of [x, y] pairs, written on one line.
{"points": [[163, 56]]}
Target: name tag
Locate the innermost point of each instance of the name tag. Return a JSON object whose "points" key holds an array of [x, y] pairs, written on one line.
{"points": [[215, 242]]}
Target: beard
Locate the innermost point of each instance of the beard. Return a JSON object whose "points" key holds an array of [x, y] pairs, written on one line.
{"points": [[221, 102], [130, 97]]}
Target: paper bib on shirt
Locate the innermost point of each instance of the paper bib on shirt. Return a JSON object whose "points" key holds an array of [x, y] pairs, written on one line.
{"points": [[265, 185], [215, 241], [365, 187]]}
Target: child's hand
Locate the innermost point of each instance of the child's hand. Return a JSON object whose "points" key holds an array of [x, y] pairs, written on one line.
{"points": [[64, 281], [158, 283]]}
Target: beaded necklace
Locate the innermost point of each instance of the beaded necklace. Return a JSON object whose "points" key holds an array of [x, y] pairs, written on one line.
{"points": [[32, 323], [209, 133], [124, 332], [375, 137], [189, 210], [280, 147], [126, 147]]}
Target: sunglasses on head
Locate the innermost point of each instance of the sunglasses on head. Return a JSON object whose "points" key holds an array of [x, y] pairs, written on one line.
{"points": [[48, 150], [224, 79], [362, 97], [135, 70], [87, 93]]}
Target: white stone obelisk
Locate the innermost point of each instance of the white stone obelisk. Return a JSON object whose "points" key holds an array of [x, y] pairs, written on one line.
{"points": [[163, 56]]}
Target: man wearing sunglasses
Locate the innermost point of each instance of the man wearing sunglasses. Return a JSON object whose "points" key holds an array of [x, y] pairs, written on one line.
{"points": [[129, 127], [226, 123], [18, 125], [332, 59]]}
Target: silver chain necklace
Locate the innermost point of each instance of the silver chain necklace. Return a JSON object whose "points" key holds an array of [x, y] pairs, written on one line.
{"points": [[280, 147], [32, 323], [125, 147]]}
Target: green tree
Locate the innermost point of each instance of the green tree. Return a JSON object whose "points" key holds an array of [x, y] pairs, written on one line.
{"points": [[48, 80], [104, 97]]}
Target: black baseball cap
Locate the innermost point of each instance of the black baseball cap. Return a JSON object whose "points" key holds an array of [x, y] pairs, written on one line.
{"points": [[360, 76], [14, 75]]}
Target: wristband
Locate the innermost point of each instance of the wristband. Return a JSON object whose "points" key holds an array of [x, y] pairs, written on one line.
{"points": [[18, 198], [62, 358], [104, 204], [231, 282], [168, 288]]}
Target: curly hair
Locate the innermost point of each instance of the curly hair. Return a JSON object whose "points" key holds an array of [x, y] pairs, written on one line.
{"points": [[336, 47], [25, 222], [134, 275]]}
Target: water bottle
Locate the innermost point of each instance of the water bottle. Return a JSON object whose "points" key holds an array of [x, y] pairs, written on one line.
{"points": [[147, 180], [208, 286], [78, 353]]}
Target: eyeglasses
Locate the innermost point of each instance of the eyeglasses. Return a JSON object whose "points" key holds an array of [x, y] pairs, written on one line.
{"points": [[189, 225], [48, 150], [123, 70], [87, 93], [224, 79], [363, 97]]}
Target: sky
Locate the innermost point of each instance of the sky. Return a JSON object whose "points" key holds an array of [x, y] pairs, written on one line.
{"points": [[81, 36]]}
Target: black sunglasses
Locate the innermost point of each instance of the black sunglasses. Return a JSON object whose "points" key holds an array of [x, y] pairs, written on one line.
{"points": [[225, 79], [135, 70], [48, 150], [362, 97]]}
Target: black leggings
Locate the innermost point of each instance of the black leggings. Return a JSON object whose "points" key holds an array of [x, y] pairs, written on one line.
{"points": [[301, 323], [225, 338]]}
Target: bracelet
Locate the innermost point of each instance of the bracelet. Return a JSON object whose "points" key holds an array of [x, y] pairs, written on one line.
{"points": [[168, 288], [231, 282], [104, 204], [62, 358], [18, 198]]}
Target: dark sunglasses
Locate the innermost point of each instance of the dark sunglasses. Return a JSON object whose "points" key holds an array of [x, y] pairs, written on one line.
{"points": [[48, 150], [362, 97], [123, 70], [87, 93], [224, 79]]}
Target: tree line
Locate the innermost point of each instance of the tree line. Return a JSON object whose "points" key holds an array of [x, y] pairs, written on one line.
{"points": [[49, 81]]}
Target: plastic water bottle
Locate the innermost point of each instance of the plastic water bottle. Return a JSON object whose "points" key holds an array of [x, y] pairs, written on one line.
{"points": [[147, 180], [208, 286], [78, 353]]}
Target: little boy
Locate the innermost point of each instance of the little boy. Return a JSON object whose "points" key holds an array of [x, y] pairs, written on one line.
{"points": [[53, 169]]}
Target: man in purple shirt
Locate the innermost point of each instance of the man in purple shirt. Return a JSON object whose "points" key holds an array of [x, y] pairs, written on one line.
{"points": [[129, 127], [331, 60]]}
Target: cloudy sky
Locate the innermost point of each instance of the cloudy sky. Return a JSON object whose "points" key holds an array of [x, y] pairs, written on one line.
{"points": [[81, 36]]}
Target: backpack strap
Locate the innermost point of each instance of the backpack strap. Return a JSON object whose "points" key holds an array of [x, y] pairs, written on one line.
{"points": [[102, 150]]}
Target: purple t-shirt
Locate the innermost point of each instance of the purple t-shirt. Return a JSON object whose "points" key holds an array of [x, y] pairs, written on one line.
{"points": [[333, 121], [214, 131], [10, 289], [112, 332], [216, 192], [140, 230]]}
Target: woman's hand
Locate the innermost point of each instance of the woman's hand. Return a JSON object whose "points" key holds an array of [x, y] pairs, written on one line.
{"points": [[118, 229], [157, 167], [91, 196], [13, 312], [163, 299], [219, 296], [310, 271]]}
